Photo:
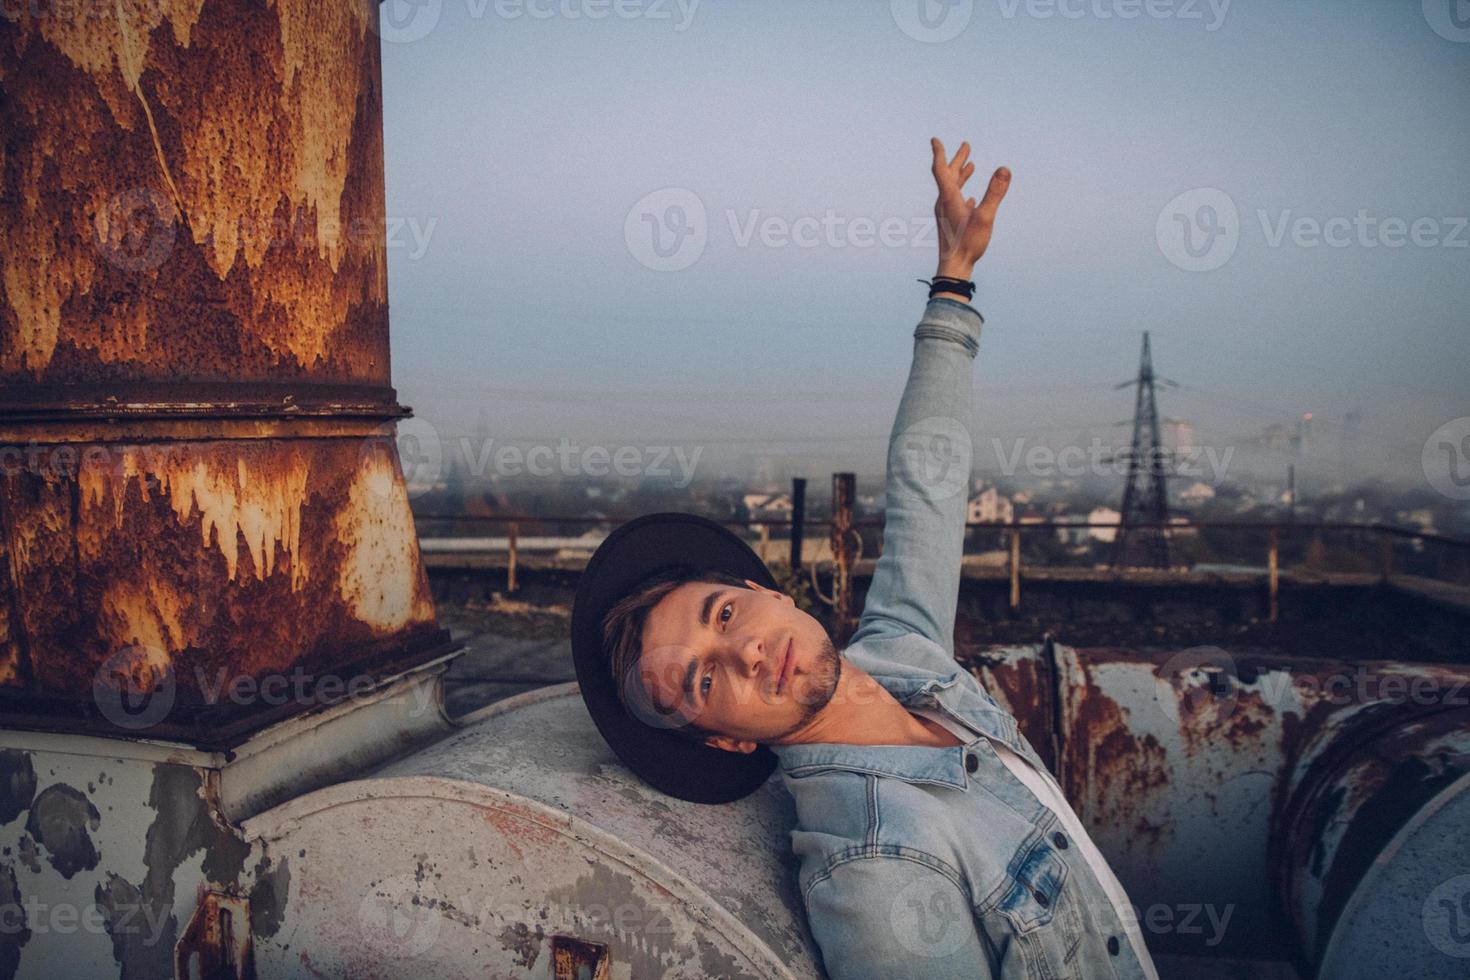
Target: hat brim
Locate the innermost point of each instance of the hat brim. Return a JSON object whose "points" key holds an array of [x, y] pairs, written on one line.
{"points": [[669, 762]]}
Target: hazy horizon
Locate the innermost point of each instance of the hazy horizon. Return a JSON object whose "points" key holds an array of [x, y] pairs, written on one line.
{"points": [[528, 300]]}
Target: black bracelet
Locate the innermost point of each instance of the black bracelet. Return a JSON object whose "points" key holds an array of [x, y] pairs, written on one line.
{"points": [[948, 284]]}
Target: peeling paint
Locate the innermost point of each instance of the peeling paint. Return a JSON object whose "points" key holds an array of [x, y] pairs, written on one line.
{"points": [[142, 930], [17, 784], [60, 819], [268, 896], [16, 932], [525, 943]]}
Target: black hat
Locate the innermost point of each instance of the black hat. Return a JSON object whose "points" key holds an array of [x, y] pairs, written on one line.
{"points": [[669, 762]]}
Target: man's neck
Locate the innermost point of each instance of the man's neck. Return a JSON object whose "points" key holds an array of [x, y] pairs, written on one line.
{"points": [[862, 712]]}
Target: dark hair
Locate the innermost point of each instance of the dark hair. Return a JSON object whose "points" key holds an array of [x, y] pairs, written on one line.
{"points": [[622, 627]]}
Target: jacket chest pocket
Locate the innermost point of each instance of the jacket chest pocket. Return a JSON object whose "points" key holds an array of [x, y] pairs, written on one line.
{"points": [[1040, 909]]}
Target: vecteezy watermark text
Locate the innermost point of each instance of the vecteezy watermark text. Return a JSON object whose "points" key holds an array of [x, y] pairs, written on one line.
{"points": [[1200, 230], [669, 229]]}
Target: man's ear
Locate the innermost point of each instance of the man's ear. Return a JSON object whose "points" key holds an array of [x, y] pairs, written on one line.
{"points": [[773, 593], [729, 744]]}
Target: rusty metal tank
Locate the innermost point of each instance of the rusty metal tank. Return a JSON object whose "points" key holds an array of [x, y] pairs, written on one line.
{"points": [[1373, 846], [520, 846], [198, 479]]}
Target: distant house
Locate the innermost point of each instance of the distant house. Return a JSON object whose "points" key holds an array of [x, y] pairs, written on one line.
{"points": [[1104, 515], [767, 507], [989, 506], [1197, 493], [769, 503], [1073, 536]]}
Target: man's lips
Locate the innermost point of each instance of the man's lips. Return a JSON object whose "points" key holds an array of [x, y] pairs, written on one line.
{"points": [[785, 668]]}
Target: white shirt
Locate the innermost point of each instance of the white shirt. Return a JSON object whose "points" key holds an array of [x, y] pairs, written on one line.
{"points": [[1044, 787]]}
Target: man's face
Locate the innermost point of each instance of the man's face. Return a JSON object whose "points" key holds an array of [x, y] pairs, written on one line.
{"points": [[714, 655]]}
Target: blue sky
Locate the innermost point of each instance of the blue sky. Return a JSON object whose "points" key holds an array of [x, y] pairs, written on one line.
{"points": [[520, 134]]}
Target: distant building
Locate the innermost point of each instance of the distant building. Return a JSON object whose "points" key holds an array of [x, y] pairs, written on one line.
{"points": [[1178, 435], [1104, 515], [1197, 493], [990, 506], [1073, 536], [772, 503]]}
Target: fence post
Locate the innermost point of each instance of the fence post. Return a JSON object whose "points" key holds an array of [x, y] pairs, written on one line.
{"points": [[1015, 563], [510, 568], [843, 491], [1273, 537], [798, 520], [765, 542]]}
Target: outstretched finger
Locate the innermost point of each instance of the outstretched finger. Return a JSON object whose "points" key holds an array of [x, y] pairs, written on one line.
{"points": [[939, 157], [959, 158], [1000, 182]]}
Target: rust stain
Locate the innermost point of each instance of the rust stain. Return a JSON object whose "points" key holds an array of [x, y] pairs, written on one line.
{"points": [[1114, 773], [197, 192], [252, 493], [216, 560]]}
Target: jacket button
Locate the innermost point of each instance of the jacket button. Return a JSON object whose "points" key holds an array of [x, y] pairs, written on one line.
{"points": [[1113, 945], [1060, 840], [971, 762], [1041, 898]]}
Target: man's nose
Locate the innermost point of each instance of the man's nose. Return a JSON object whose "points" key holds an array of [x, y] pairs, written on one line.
{"points": [[748, 654]]}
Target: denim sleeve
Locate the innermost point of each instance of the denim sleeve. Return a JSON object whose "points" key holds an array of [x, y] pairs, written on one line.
{"points": [[915, 585], [882, 917]]}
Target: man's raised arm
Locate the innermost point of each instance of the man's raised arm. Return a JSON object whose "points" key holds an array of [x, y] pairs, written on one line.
{"points": [[915, 586]]}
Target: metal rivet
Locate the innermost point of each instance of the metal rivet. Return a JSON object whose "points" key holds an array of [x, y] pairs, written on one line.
{"points": [[1113, 945], [1041, 898], [1060, 840], [971, 763]]}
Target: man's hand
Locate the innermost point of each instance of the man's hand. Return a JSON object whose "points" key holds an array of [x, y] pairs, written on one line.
{"points": [[964, 226]]}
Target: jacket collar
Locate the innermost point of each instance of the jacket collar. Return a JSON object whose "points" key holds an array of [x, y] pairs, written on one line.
{"points": [[944, 765]]}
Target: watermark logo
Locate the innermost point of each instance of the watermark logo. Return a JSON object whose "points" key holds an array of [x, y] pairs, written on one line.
{"points": [[415, 441], [1450, 19], [667, 230], [1446, 916], [1198, 231], [929, 917], [135, 687], [1446, 459], [932, 21], [1198, 685], [399, 918], [1098, 459], [404, 21], [1180, 10], [137, 228], [933, 456]]}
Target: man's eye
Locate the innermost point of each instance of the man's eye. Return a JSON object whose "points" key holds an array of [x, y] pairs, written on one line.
{"points": [[728, 605], [705, 684]]}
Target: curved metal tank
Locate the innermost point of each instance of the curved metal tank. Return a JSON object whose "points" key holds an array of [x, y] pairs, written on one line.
{"points": [[1373, 865], [521, 840]]}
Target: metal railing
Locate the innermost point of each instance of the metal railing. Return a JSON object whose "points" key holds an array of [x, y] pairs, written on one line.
{"points": [[1373, 549]]}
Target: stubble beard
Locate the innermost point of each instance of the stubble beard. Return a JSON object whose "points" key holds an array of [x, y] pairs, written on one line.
{"points": [[817, 686]]}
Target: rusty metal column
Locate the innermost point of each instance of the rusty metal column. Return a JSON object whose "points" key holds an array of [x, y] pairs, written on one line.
{"points": [[198, 479]]}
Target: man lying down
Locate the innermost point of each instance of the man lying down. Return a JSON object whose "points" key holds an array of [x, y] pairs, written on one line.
{"points": [[933, 841]]}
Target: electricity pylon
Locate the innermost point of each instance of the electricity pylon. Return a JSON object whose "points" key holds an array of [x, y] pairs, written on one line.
{"points": [[1145, 495]]}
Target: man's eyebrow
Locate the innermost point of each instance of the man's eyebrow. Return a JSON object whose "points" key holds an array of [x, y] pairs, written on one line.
{"points": [[709, 603], [689, 678]]}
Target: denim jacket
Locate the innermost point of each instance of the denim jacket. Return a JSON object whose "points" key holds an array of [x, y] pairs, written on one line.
{"points": [[919, 861]]}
